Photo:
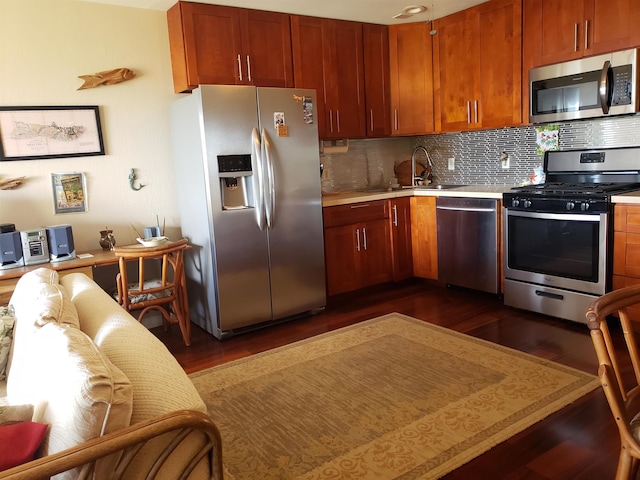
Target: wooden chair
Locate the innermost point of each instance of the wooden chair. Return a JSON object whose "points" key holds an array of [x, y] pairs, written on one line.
{"points": [[166, 294], [620, 383]]}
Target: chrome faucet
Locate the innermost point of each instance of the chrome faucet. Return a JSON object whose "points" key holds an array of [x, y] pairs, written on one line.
{"points": [[414, 178]]}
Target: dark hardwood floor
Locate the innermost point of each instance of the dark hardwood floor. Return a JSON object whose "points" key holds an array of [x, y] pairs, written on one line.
{"points": [[578, 442]]}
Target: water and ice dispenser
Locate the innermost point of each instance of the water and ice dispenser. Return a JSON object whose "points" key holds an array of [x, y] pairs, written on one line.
{"points": [[236, 176]]}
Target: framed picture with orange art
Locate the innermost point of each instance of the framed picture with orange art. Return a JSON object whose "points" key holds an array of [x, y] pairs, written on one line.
{"points": [[69, 193]]}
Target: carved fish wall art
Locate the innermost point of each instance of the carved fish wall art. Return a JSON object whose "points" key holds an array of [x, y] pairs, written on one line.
{"points": [[108, 77]]}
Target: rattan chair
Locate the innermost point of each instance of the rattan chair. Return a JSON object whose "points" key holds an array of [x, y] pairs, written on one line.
{"points": [[165, 293], [620, 382]]}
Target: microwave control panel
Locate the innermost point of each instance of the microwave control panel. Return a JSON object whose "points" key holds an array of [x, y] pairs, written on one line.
{"points": [[622, 87]]}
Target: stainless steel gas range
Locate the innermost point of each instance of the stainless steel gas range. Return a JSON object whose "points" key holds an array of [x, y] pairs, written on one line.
{"points": [[558, 236]]}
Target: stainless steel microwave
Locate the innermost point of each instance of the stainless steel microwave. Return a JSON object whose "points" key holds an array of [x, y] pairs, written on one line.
{"points": [[590, 87]]}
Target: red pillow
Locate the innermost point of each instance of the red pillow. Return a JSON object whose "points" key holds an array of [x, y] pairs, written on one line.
{"points": [[19, 442]]}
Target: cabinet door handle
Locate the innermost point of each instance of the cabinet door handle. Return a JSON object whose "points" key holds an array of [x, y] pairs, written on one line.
{"points": [[395, 216], [248, 69], [338, 119], [371, 118], [575, 37], [395, 114], [586, 34], [364, 237], [358, 239], [331, 121], [468, 112], [475, 108], [239, 68]]}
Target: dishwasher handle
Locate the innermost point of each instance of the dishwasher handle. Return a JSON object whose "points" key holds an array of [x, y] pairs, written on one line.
{"points": [[467, 209]]}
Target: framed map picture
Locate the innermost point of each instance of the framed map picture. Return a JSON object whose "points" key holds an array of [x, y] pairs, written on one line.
{"points": [[28, 133], [69, 192]]}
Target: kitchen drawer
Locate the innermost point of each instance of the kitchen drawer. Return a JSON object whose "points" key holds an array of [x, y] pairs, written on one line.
{"points": [[355, 213]]}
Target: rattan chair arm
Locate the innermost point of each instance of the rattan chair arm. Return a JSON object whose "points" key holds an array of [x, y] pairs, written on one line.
{"points": [[128, 441]]}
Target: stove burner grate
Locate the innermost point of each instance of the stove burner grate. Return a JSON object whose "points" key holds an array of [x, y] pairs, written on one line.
{"points": [[561, 188]]}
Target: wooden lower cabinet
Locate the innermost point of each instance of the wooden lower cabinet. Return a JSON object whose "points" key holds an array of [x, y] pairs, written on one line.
{"points": [[626, 249], [424, 237], [357, 246], [400, 226]]}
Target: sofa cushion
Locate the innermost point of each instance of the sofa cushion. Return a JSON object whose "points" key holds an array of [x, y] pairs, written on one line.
{"points": [[160, 385], [74, 388], [58, 369], [15, 413], [44, 299]]}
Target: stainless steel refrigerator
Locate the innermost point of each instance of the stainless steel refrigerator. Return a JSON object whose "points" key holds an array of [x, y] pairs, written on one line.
{"points": [[248, 181]]}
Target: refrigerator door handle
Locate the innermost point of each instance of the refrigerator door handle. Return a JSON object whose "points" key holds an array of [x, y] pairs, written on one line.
{"points": [[258, 195], [270, 192]]}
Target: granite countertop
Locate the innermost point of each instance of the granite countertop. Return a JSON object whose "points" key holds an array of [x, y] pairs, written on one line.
{"points": [[469, 191]]}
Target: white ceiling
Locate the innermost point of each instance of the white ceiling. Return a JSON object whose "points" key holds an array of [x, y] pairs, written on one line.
{"points": [[371, 11]]}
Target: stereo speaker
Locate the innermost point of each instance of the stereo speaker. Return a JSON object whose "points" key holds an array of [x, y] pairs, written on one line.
{"points": [[60, 240], [10, 250]]}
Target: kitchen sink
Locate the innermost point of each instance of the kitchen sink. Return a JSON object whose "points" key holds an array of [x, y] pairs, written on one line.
{"points": [[440, 186]]}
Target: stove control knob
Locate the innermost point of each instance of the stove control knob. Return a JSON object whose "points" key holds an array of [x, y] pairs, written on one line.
{"points": [[584, 206], [571, 205], [526, 203], [515, 202]]}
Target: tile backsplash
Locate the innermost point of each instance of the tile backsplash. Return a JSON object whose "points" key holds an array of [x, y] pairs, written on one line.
{"points": [[370, 163]]}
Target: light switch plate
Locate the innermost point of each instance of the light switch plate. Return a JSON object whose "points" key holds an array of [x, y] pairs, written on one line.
{"points": [[452, 164]]}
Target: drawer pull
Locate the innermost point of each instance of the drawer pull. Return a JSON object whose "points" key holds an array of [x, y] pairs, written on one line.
{"points": [[360, 205]]}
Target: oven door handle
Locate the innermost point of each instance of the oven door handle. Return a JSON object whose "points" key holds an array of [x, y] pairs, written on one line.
{"points": [[554, 296], [604, 89]]}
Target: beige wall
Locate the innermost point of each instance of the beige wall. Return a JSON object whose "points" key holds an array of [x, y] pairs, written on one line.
{"points": [[44, 46]]}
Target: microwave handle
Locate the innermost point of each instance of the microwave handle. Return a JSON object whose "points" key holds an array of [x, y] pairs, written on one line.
{"points": [[605, 86]]}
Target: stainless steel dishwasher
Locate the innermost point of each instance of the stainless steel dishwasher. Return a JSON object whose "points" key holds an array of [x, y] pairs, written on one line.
{"points": [[468, 242]]}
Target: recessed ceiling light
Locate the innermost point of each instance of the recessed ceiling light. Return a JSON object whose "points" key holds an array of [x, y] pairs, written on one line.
{"points": [[402, 15], [413, 9]]}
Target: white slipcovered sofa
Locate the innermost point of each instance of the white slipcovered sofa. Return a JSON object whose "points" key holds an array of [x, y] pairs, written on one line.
{"points": [[116, 402]]}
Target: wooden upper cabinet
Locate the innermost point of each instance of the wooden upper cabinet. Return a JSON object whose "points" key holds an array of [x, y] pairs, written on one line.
{"points": [[309, 50], [456, 72], [561, 30], [499, 25], [411, 67], [376, 79], [328, 56], [213, 44], [613, 25], [266, 42], [478, 67]]}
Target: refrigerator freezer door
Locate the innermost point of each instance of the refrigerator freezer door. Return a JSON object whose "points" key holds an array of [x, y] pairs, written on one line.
{"points": [[238, 246], [296, 243]]}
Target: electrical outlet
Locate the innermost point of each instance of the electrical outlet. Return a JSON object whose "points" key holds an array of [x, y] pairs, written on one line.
{"points": [[504, 159], [452, 164]]}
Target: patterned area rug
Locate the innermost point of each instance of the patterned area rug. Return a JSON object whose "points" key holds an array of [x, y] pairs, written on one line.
{"points": [[392, 397]]}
